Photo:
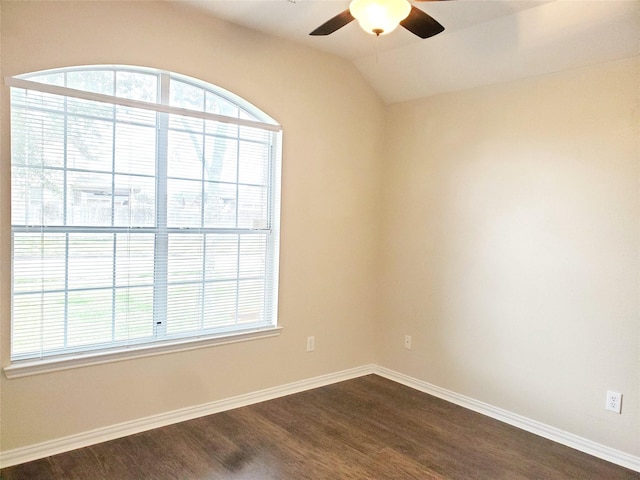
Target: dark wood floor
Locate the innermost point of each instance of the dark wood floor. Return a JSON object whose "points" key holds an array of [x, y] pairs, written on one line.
{"points": [[367, 428]]}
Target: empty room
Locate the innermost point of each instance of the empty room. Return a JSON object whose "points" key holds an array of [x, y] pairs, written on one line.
{"points": [[274, 239]]}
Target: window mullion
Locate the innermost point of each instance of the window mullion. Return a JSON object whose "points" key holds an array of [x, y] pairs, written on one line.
{"points": [[238, 279], [65, 218], [66, 290], [113, 215], [160, 289], [203, 279], [113, 287], [237, 212]]}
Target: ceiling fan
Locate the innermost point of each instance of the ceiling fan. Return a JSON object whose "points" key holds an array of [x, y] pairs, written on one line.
{"points": [[380, 17]]}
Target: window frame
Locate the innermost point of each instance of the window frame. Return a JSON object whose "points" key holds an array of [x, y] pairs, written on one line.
{"points": [[162, 344]]}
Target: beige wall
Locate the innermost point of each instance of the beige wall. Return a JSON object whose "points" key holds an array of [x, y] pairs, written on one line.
{"points": [[329, 215], [511, 247]]}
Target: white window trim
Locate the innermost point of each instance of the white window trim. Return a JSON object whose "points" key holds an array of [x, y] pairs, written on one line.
{"points": [[23, 368], [35, 367]]}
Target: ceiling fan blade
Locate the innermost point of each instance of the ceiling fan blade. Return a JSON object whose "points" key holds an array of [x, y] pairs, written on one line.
{"points": [[334, 24], [421, 24]]}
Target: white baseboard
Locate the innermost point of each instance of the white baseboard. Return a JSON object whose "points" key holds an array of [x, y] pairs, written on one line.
{"points": [[565, 438], [72, 442], [92, 437]]}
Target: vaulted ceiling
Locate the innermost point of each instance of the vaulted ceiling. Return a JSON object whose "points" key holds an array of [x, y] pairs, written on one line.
{"points": [[484, 42]]}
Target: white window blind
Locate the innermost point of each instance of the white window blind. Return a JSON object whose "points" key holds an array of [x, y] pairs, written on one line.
{"points": [[144, 209]]}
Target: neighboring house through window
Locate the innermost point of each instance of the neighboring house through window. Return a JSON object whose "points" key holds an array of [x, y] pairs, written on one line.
{"points": [[144, 212]]}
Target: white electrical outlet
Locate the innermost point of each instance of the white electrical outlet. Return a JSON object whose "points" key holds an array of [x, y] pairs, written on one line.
{"points": [[614, 402], [311, 343], [407, 342]]}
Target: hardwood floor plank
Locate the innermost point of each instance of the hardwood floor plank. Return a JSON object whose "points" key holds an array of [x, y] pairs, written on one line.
{"points": [[111, 459], [36, 470], [75, 465], [361, 429]]}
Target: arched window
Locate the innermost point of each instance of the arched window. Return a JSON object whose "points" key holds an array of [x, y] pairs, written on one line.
{"points": [[144, 212]]}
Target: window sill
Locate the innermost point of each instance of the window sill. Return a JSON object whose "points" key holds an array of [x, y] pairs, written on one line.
{"points": [[36, 367]]}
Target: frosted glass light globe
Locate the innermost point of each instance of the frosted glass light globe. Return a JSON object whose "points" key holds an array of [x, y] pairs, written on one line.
{"points": [[379, 17]]}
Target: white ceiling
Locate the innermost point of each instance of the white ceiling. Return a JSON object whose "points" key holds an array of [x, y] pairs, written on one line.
{"points": [[484, 42]]}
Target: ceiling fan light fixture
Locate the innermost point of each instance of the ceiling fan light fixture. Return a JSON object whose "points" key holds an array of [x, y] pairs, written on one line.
{"points": [[379, 17]]}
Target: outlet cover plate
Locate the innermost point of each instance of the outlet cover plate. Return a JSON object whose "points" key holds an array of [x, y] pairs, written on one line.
{"points": [[614, 402]]}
